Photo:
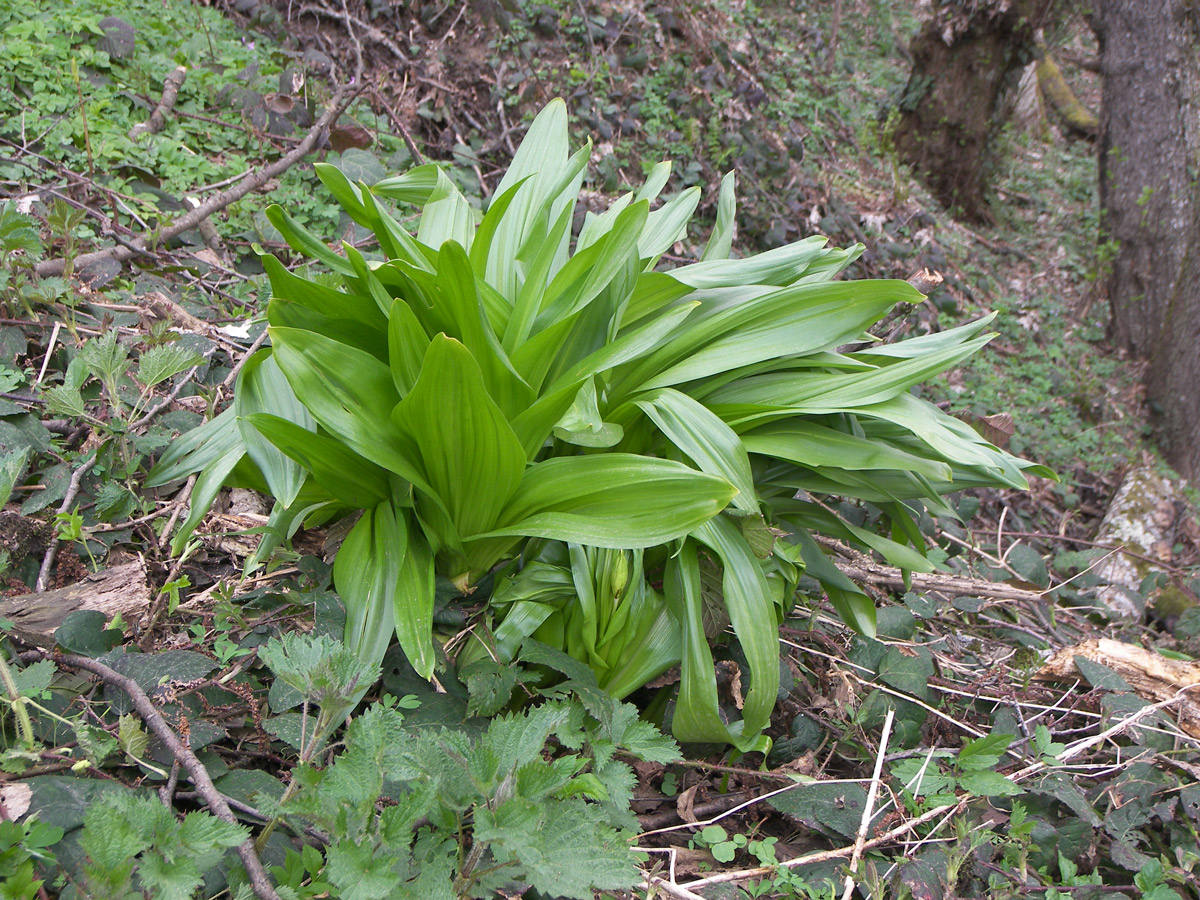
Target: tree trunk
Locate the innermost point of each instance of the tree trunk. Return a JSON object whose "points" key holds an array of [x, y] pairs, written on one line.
{"points": [[964, 61], [1148, 152], [1150, 205], [1173, 377]]}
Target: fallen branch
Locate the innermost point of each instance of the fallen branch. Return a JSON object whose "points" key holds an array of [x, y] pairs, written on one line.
{"points": [[826, 855], [73, 486], [950, 585], [192, 219], [259, 880], [170, 94]]}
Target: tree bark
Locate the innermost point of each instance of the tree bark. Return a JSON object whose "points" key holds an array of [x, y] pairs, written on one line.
{"points": [[1173, 377], [1147, 160], [1150, 205], [965, 60]]}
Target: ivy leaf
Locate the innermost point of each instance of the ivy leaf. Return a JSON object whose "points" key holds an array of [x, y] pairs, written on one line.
{"points": [[1029, 564]]}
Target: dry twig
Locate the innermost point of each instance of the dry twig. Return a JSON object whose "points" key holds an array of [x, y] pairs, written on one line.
{"points": [[170, 94], [259, 880], [192, 219]]}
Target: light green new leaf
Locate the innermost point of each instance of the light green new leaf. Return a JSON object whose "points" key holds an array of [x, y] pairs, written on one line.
{"points": [[472, 459]]}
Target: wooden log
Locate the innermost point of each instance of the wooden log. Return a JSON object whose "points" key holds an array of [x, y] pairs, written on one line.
{"points": [[122, 588]]}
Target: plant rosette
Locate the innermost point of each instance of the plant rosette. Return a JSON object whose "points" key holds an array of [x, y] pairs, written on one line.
{"points": [[640, 454]]}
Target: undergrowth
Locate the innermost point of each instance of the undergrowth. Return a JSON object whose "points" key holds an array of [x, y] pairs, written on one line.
{"points": [[994, 779]]}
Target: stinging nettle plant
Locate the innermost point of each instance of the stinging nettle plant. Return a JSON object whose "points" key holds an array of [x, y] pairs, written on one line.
{"points": [[639, 456]]}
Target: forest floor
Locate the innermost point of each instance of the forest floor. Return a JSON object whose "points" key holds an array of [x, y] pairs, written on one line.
{"points": [[991, 741]]}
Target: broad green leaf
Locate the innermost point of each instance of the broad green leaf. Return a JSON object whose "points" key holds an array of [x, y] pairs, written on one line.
{"points": [[344, 192], [721, 240], [471, 457], [628, 347], [407, 345], [779, 267], [582, 424], [303, 241], [206, 487], [753, 615], [790, 321], [616, 500], [397, 243], [197, 450], [412, 605], [366, 572], [583, 278], [336, 468], [706, 440], [655, 182], [462, 317], [835, 393], [697, 715], [809, 444], [371, 339], [262, 388], [668, 224], [352, 395], [414, 186], [446, 216], [817, 519], [854, 607]]}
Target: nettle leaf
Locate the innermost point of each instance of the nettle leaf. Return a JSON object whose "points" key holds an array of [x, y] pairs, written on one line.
{"points": [[989, 784], [34, 680], [983, 753], [489, 686], [104, 356], [165, 360]]}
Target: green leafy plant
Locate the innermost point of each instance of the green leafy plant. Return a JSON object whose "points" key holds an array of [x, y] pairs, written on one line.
{"points": [[136, 846], [21, 844], [628, 444], [539, 797]]}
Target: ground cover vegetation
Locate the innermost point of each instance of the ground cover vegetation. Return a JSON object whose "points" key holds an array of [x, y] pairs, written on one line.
{"points": [[622, 535]]}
